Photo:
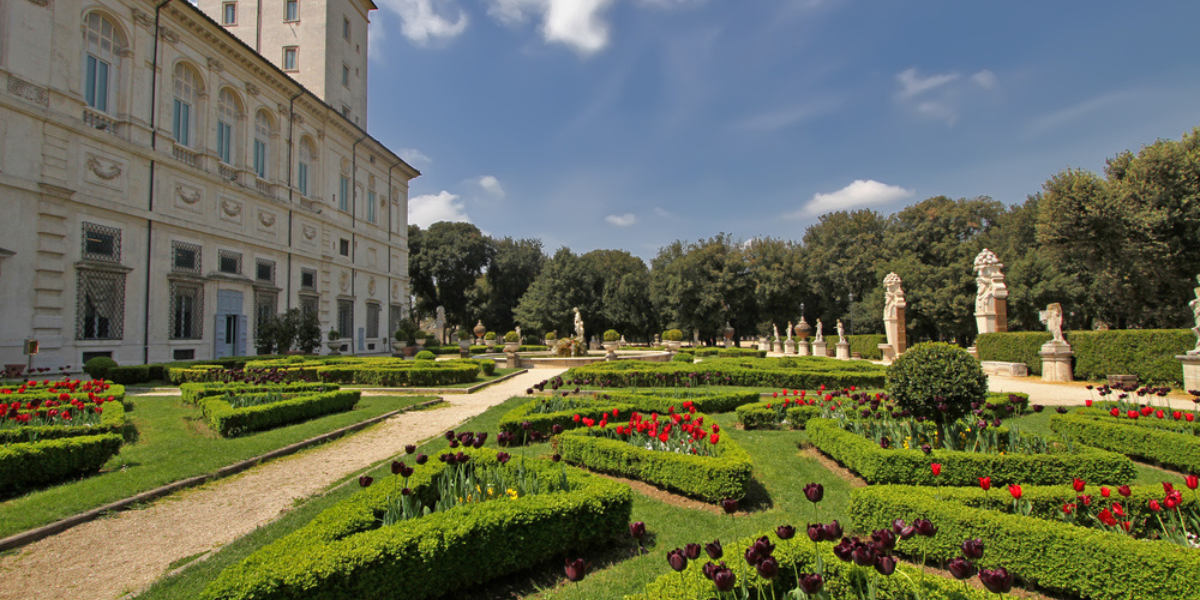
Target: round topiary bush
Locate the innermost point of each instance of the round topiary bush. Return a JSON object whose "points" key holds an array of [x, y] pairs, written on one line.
{"points": [[683, 357], [98, 367], [672, 335], [511, 338], [611, 335], [937, 380], [426, 355], [491, 335]]}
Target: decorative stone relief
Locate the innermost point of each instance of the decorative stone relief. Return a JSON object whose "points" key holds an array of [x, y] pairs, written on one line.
{"points": [[395, 290], [104, 169], [344, 281], [40, 2], [28, 91], [169, 36], [345, 166], [371, 287], [309, 233], [142, 18], [215, 64], [231, 210], [266, 219], [251, 89], [188, 194]]}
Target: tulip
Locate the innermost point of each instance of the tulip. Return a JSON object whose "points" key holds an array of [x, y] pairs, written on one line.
{"points": [[1015, 490], [725, 580], [709, 569], [576, 569], [556, 457], [810, 583], [714, 550], [637, 529], [714, 438], [814, 492], [864, 555], [366, 481], [886, 565], [961, 568], [763, 547], [885, 540], [1115, 412], [1037, 408], [1192, 482], [410, 448], [1078, 484], [925, 527], [997, 581], [833, 530], [422, 459], [844, 550], [677, 559], [751, 556], [985, 483], [1105, 492], [729, 505], [556, 429], [973, 549], [926, 448], [503, 457], [786, 532], [816, 533], [397, 467], [1124, 491], [768, 568], [936, 468]]}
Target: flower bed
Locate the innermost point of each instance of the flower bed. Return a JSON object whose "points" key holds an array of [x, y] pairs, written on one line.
{"points": [[1074, 561], [802, 373], [345, 552], [1142, 438], [192, 393], [776, 414], [662, 455], [409, 374], [542, 414], [663, 402], [229, 417], [957, 468], [717, 352]]}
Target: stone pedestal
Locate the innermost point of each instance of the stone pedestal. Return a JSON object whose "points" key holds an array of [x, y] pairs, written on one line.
{"points": [[1191, 370], [889, 353], [802, 348], [789, 347], [843, 350], [896, 333], [512, 361], [819, 349], [764, 346], [778, 346], [974, 352], [727, 343], [1056, 362]]}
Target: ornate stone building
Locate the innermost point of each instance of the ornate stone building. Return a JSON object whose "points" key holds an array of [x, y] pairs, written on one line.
{"points": [[159, 194]]}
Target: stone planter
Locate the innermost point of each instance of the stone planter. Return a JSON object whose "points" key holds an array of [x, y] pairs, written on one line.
{"points": [[511, 348], [335, 346], [673, 346], [489, 343], [420, 342], [399, 346], [612, 346]]}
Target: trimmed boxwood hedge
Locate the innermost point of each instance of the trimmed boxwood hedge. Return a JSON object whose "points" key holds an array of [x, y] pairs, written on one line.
{"points": [[543, 422], [428, 374], [1133, 438], [344, 553], [706, 477], [51, 461], [761, 416], [710, 402], [42, 394], [867, 345], [1068, 559], [903, 466], [799, 372], [842, 580], [718, 352], [625, 404], [228, 421], [191, 393], [1147, 353]]}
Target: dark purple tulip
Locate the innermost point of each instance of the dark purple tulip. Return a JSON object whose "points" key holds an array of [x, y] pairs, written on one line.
{"points": [[768, 568], [714, 550], [925, 527], [833, 530], [907, 532], [730, 505], [406, 492], [764, 547], [450, 435], [816, 532], [724, 579], [556, 457], [453, 443], [410, 448], [864, 555], [677, 559], [884, 540], [397, 467], [478, 443], [366, 481], [973, 549], [997, 581], [526, 425], [810, 583], [1062, 410], [708, 569], [482, 437], [751, 556], [886, 565], [422, 459], [637, 529], [926, 448], [961, 568], [556, 429], [785, 532], [692, 551], [814, 492], [461, 458], [844, 550], [502, 457], [576, 569], [898, 525], [529, 392]]}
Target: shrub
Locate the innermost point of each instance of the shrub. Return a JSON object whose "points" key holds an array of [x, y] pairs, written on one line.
{"points": [[45, 462], [672, 335], [710, 478], [426, 355], [345, 553], [511, 338], [867, 346], [936, 380], [412, 374], [683, 357], [730, 353], [663, 402], [550, 337], [1069, 560], [1147, 353], [765, 415], [491, 335], [136, 374], [228, 421], [192, 393], [1015, 347], [513, 420], [406, 330], [97, 367], [462, 334], [911, 466], [112, 420], [1180, 451], [611, 335], [811, 373]]}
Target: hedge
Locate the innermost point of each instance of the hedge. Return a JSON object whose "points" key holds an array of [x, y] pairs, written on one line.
{"points": [[228, 421], [760, 415], [191, 393], [719, 402], [912, 466], [710, 478], [344, 553], [718, 352], [1147, 353], [810, 373], [1180, 451], [543, 422], [132, 374], [867, 345], [430, 374], [51, 461], [42, 394], [1067, 559], [624, 403], [841, 579], [112, 420]]}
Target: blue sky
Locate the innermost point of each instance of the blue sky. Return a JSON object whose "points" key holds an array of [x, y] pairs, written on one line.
{"points": [[630, 123]]}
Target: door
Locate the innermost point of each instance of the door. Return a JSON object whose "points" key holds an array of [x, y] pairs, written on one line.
{"points": [[230, 326]]}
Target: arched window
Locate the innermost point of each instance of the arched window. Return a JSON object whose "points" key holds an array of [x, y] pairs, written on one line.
{"points": [[186, 106], [263, 129], [308, 155], [229, 109], [103, 43]]}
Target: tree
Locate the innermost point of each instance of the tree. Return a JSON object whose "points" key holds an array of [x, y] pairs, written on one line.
{"points": [[842, 253], [444, 263], [514, 266], [563, 285], [621, 286], [776, 270], [700, 286]]}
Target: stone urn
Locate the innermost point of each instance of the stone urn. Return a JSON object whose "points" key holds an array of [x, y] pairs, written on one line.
{"points": [[480, 330], [803, 329], [489, 343], [399, 346], [728, 331], [420, 342], [335, 346], [511, 347]]}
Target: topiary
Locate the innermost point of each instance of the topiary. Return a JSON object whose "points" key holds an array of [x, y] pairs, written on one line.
{"points": [[98, 367], [511, 338], [491, 335], [426, 355], [673, 335], [611, 335], [937, 380], [550, 337], [683, 357]]}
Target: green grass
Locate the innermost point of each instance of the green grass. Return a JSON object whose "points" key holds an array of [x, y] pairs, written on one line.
{"points": [[172, 444]]}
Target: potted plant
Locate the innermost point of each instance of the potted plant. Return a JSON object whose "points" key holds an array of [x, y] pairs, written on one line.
{"points": [[673, 337], [404, 334], [612, 340], [420, 335], [551, 338], [489, 339], [511, 342], [335, 342]]}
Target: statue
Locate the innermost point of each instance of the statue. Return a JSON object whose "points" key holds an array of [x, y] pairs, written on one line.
{"points": [[776, 327], [841, 332], [1053, 318], [440, 323], [893, 298], [579, 326], [519, 338], [991, 310], [1195, 304], [789, 338], [820, 332], [893, 316]]}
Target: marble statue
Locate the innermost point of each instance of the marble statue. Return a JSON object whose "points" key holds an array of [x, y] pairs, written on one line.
{"points": [[579, 326], [519, 338], [820, 332], [1195, 304], [789, 330], [776, 327], [893, 315], [1053, 318], [841, 332], [991, 310], [440, 323]]}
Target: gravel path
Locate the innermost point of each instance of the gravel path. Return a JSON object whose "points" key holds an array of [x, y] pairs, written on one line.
{"points": [[108, 558]]}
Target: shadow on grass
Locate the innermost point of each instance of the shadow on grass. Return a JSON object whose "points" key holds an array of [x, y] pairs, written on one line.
{"points": [[757, 499], [551, 574]]}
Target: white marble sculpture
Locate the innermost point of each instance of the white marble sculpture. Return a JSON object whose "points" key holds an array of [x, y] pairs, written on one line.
{"points": [[990, 297], [893, 307], [841, 332], [579, 326], [820, 332], [789, 330], [440, 323], [776, 327], [1053, 318], [1195, 304]]}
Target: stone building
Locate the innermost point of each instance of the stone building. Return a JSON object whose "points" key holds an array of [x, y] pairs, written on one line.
{"points": [[160, 194]]}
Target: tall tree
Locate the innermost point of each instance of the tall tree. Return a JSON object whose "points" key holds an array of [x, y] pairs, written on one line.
{"points": [[701, 286], [842, 255], [563, 285], [514, 266], [444, 263], [776, 269], [621, 286]]}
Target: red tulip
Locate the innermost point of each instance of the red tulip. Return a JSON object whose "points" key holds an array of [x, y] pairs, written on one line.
{"points": [[985, 483], [1114, 412], [937, 468], [1015, 490], [1133, 414], [1068, 508], [1124, 491], [1078, 484], [1118, 509], [1159, 413], [1192, 482], [1177, 415], [714, 438], [1105, 491], [1189, 417], [1154, 506]]}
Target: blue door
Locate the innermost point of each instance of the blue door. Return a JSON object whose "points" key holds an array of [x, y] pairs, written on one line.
{"points": [[230, 326]]}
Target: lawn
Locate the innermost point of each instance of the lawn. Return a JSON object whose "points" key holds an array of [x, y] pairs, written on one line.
{"points": [[172, 443]]}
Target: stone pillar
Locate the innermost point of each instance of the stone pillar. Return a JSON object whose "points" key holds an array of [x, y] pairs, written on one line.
{"points": [[789, 347], [1002, 315], [889, 353], [895, 329], [1191, 370], [843, 350], [802, 348], [777, 346], [1056, 361], [819, 349], [512, 361]]}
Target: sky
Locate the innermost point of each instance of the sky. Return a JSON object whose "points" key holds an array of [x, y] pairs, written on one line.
{"points": [[627, 124]]}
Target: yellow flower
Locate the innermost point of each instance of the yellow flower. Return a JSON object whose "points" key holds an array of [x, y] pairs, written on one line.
{"points": [[512, 493]]}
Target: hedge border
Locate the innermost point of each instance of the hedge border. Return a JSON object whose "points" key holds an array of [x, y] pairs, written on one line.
{"points": [[340, 554], [31, 464], [544, 422], [1097, 428], [760, 415], [714, 372], [1079, 561], [912, 466], [1147, 353], [191, 393], [228, 421]]}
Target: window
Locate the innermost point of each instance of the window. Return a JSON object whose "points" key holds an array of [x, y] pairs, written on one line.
{"points": [[262, 140], [228, 109], [345, 111], [187, 94], [345, 318], [373, 311], [265, 303], [308, 304], [183, 354], [307, 155], [371, 206], [344, 247], [185, 258], [100, 305], [346, 29], [103, 43], [345, 76], [229, 262], [344, 194], [291, 10], [395, 313], [229, 13], [308, 279], [265, 270], [289, 59], [187, 310], [101, 243]]}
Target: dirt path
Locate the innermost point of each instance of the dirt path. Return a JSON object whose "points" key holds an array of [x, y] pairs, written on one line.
{"points": [[108, 558]]}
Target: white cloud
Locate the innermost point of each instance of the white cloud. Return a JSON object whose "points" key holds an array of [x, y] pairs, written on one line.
{"points": [[413, 156], [492, 186], [912, 85], [578, 24], [428, 209], [858, 194], [422, 23], [941, 96], [984, 79], [624, 220], [662, 212]]}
